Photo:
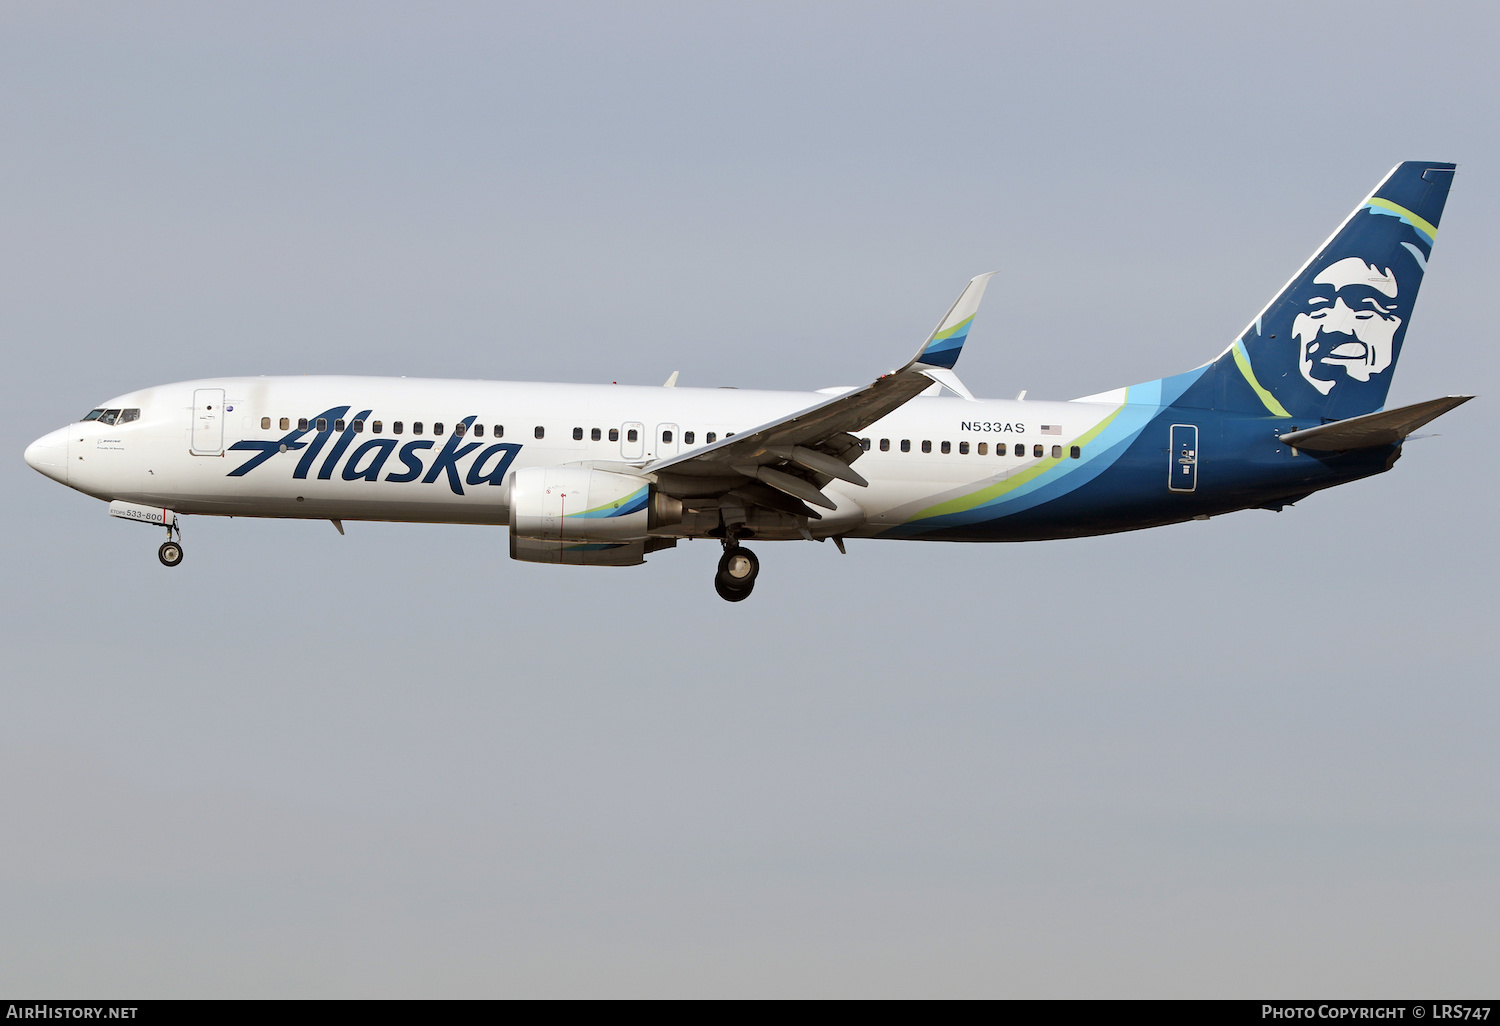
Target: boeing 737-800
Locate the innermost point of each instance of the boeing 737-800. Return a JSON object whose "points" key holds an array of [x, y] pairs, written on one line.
{"points": [[604, 474]]}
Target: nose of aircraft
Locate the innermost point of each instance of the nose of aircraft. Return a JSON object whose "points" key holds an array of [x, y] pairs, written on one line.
{"points": [[49, 455]]}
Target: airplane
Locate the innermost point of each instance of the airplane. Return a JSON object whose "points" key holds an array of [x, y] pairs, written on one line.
{"points": [[603, 475]]}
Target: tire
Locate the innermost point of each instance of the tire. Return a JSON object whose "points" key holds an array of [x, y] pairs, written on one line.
{"points": [[738, 567], [730, 593], [170, 553]]}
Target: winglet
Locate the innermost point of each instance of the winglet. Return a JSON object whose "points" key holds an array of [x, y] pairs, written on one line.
{"points": [[947, 340]]}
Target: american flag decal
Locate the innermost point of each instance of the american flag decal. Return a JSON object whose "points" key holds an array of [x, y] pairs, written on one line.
{"points": [[1051, 429]]}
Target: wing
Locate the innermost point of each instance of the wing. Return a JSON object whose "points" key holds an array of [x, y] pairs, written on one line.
{"points": [[784, 464]]}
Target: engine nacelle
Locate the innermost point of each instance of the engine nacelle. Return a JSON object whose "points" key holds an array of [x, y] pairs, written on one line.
{"points": [[576, 553], [581, 515]]}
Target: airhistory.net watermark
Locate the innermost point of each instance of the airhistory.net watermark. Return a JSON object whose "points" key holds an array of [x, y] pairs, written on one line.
{"points": [[46, 1010]]}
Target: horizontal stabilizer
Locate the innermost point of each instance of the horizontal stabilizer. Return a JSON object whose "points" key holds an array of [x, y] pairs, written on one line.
{"points": [[1387, 428]]}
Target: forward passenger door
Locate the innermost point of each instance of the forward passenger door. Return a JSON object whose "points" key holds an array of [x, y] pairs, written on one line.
{"points": [[208, 421]]}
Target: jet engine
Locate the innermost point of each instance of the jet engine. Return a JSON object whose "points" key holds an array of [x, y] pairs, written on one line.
{"points": [[586, 516]]}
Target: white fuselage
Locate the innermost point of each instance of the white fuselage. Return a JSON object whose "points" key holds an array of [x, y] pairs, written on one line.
{"points": [[358, 475]]}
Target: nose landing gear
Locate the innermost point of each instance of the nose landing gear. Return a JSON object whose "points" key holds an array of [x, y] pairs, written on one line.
{"points": [[737, 571], [170, 552]]}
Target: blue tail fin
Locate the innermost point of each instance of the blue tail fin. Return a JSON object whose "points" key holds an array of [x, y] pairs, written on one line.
{"points": [[1327, 345]]}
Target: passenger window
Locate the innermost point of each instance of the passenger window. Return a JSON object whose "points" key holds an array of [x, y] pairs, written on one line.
{"points": [[416, 427], [1057, 452], [286, 425], [1075, 452], [578, 434], [92, 415], [109, 416], [498, 431], [864, 443], [984, 449], [126, 416], [460, 429], [301, 423], [947, 448], [710, 438], [375, 427], [359, 427], [666, 436], [614, 434], [437, 427], [397, 427], [265, 423], [540, 431], [594, 435], [729, 434], [1020, 449], [1037, 451], [338, 425], [963, 448], [630, 436], [906, 445], [322, 423], [688, 436], [478, 430], [885, 445], [926, 445]]}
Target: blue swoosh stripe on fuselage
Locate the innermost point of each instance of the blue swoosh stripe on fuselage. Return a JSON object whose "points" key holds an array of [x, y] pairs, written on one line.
{"points": [[1144, 403]]}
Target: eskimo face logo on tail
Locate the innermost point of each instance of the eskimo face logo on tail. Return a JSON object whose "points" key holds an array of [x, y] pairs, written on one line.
{"points": [[1329, 344], [1348, 329]]}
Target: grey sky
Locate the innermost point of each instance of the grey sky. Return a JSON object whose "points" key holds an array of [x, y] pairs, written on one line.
{"points": [[1249, 757]]}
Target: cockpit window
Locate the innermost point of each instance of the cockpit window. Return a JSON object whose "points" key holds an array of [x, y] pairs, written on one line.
{"points": [[108, 416], [93, 415], [126, 416]]}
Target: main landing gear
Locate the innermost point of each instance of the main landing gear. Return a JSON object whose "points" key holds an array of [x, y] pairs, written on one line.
{"points": [[738, 568], [170, 552]]}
